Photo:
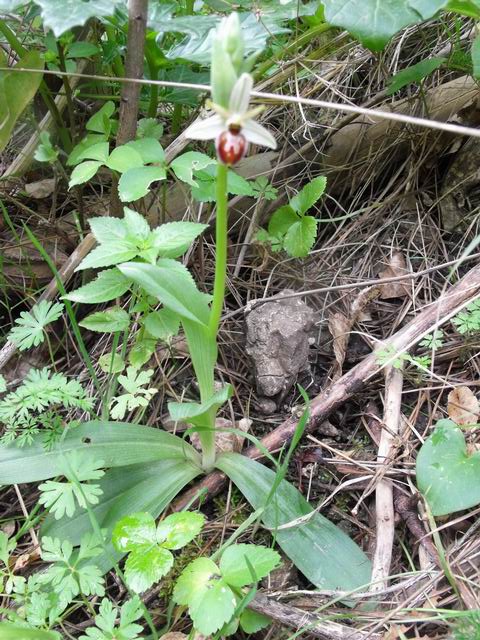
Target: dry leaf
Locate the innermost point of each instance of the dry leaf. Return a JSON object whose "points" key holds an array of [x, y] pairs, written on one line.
{"points": [[396, 267], [25, 560], [463, 407], [41, 189]]}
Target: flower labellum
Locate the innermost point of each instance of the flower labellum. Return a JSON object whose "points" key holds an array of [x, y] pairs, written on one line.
{"points": [[231, 146]]}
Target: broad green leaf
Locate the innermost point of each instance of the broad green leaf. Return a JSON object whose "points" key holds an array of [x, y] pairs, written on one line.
{"points": [[415, 73], [203, 353], [124, 158], [206, 180], [107, 229], [470, 8], [301, 237], [319, 549], [179, 529], [373, 22], [62, 15], [282, 220], [98, 120], [162, 324], [90, 140], [234, 565], [149, 128], [149, 149], [83, 172], [447, 474], [173, 287], [253, 622], [194, 412], [109, 364], [134, 530], [82, 49], [116, 443], [142, 350], [476, 57], [108, 285], [147, 565], [135, 183], [185, 165], [98, 151], [309, 195], [16, 91], [9, 631], [211, 603], [429, 8], [174, 238], [108, 321], [149, 487]]}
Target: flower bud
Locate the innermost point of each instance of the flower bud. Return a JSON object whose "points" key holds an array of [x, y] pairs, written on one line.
{"points": [[227, 59]]}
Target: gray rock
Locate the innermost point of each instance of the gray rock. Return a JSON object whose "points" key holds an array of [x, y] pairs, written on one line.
{"points": [[278, 343]]}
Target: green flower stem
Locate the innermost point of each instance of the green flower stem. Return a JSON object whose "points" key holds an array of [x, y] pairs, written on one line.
{"points": [[221, 230]]}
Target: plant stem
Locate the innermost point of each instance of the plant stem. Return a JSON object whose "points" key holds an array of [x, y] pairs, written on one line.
{"points": [[221, 229]]}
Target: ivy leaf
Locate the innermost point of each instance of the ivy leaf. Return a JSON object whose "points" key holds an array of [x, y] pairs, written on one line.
{"points": [[134, 183], [123, 158], [301, 237], [309, 195], [62, 15], [108, 321], [162, 324], [108, 285], [29, 328], [179, 529], [174, 238], [235, 561], [83, 172], [415, 73], [373, 22]]}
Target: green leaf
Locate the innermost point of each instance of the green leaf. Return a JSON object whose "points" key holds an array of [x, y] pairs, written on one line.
{"points": [[147, 565], [108, 321], [98, 151], [178, 529], [17, 91], [174, 238], [62, 15], [282, 220], [309, 195], [45, 151], [99, 119], [109, 364], [106, 628], [301, 237], [3, 384], [135, 183], [185, 165], [134, 530], [470, 8], [194, 412], [476, 57], [211, 603], [142, 350], [116, 443], [107, 255], [149, 128], [206, 178], [429, 8], [123, 158], [107, 229], [136, 225], [320, 550], [29, 329], [82, 49], [253, 622], [162, 324], [83, 172], [89, 141], [373, 22], [235, 561], [415, 73], [137, 395], [108, 285], [173, 286], [9, 631], [447, 474], [149, 149]]}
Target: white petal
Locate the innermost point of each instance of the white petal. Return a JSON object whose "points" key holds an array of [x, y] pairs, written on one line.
{"points": [[207, 129], [240, 96], [256, 134]]}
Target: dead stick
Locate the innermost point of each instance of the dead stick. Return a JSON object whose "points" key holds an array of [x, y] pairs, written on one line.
{"points": [[351, 382], [384, 512], [319, 627]]}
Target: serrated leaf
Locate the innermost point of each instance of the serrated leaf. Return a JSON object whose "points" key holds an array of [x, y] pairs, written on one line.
{"points": [[414, 73], [136, 225], [162, 324], [108, 321], [309, 195], [174, 238], [146, 566], [135, 183], [62, 15], [108, 285], [282, 220], [83, 172], [178, 529], [185, 165], [149, 149], [124, 158], [234, 566], [134, 530], [107, 229], [301, 237]]}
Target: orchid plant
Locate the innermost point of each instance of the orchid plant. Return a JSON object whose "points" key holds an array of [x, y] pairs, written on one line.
{"points": [[146, 466]]}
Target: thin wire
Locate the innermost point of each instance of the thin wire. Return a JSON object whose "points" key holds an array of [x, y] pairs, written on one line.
{"points": [[322, 104]]}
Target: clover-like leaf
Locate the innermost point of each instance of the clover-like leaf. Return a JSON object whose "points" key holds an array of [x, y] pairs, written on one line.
{"points": [[301, 237], [133, 531]]}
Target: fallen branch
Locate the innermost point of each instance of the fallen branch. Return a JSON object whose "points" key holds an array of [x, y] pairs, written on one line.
{"points": [[351, 382]]}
